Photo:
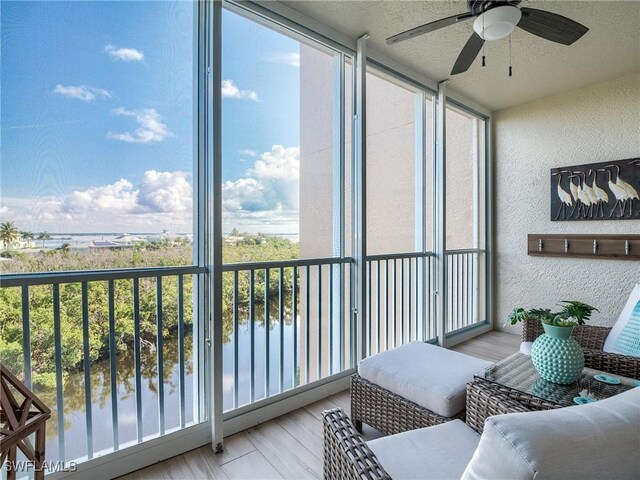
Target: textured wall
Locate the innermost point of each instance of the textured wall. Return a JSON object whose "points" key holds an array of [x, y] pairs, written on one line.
{"points": [[593, 124]]}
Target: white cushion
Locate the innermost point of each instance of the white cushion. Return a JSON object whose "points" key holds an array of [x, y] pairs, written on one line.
{"points": [[525, 348], [431, 376], [625, 316], [440, 452], [597, 440]]}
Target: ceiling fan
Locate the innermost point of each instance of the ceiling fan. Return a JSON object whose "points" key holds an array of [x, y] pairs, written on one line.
{"points": [[496, 19]]}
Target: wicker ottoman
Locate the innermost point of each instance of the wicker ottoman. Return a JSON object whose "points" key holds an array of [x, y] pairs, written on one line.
{"points": [[413, 386]]}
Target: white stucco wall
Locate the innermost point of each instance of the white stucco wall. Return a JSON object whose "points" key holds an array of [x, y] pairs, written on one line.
{"points": [[593, 124]]}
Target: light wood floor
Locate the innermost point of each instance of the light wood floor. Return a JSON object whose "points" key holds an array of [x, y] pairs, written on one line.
{"points": [[290, 446]]}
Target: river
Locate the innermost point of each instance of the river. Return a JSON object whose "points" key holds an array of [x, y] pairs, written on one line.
{"points": [[75, 425]]}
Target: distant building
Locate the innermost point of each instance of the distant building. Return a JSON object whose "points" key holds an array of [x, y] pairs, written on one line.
{"points": [[18, 244], [101, 244]]}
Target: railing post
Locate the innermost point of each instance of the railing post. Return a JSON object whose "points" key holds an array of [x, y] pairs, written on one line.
{"points": [[440, 216], [360, 197]]}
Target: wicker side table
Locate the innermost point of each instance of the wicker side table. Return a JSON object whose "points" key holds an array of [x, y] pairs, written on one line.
{"points": [[21, 414], [516, 378]]}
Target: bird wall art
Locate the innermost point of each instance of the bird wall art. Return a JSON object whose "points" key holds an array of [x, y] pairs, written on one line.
{"points": [[597, 191]]}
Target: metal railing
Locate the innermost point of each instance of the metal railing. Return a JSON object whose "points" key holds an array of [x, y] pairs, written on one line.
{"points": [[464, 283], [80, 298], [289, 326], [400, 291], [285, 324]]}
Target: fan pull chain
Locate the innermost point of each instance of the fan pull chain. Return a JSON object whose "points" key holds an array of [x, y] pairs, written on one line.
{"points": [[510, 69], [483, 62]]}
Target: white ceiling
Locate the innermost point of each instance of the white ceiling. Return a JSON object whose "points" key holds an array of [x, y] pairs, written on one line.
{"points": [[541, 68]]}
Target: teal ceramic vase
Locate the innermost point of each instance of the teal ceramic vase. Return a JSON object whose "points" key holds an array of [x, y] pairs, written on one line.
{"points": [[557, 357]]}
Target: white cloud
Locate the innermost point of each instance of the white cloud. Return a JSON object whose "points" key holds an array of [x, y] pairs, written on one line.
{"points": [[285, 58], [81, 92], [159, 192], [118, 197], [160, 200], [5, 211], [124, 54], [230, 90], [267, 196], [165, 192], [248, 153], [151, 128]]}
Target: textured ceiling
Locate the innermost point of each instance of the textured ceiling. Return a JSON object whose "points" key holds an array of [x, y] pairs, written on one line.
{"points": [[541, 68]]}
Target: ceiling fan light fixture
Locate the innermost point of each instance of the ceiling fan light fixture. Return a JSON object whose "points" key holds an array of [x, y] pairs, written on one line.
{"points": [[497, 23]]}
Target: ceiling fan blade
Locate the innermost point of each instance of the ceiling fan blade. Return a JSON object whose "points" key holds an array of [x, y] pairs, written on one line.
{"points": [[551, 26], [468, 54], [429, 27]]}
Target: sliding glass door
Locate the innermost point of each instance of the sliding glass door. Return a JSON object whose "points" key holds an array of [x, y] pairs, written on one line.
{"points": [[286, 281]]}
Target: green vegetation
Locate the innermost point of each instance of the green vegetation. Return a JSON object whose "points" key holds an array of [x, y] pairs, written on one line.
{"points": [[8, 233], [41, 305], [571, 314]]}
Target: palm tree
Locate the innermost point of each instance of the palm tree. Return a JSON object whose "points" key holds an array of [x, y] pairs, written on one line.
{"points": [[8, 233], [44, 236], [26, 235]]}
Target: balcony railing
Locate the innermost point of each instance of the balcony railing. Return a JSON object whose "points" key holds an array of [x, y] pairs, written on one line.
{"points": [[121, 348], [289, 326], [96, 389], [465, 286], [400, 289]]}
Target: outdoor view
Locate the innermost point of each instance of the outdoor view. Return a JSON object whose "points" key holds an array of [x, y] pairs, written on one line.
{"points": [[97, 173], [99, 143]]}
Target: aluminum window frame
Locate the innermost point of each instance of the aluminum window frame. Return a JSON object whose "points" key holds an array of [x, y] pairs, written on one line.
{"points": [[157, 449]]}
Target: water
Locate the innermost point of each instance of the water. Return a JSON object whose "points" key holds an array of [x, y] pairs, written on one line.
{"points": [[75, 425], [83, 240]]}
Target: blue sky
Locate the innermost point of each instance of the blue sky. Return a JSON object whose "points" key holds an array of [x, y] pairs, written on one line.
{"points": [[97, 118]]}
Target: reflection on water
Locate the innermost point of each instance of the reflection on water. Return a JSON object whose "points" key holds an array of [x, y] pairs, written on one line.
{"points": [[75, 427]]}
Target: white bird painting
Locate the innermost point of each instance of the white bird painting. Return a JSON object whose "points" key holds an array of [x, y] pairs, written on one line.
{"points": [[601, 195], [599, 191], [593, 200], [565, 197], [583, 198], [620, 193], [632, 193]]}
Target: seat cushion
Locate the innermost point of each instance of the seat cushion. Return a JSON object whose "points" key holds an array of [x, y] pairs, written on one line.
{"points": [[624, 339], [431, 376], [440, 452], [597, 440]]}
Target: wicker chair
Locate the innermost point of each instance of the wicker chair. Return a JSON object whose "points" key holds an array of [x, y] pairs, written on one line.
{"points": [[347, 455], [591, 338]]}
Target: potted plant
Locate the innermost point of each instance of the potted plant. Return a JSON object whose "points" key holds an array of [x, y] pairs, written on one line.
{"points": [[556, 356]]}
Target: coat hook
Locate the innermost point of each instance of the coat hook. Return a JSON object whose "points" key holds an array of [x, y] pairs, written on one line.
{"points": [[540, 244], [566, 245], [627, 247], [595, 246]]}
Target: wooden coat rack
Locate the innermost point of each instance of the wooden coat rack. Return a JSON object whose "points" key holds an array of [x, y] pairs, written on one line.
{"points": [[621, 247]]}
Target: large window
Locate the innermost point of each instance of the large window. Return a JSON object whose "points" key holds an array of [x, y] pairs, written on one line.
{"points": [[465, 219], [98, 142], [109, 296], [399, 212], [284, 188]]}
